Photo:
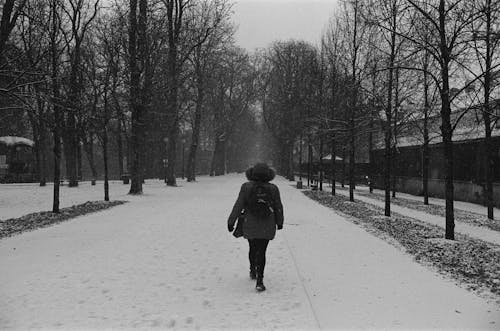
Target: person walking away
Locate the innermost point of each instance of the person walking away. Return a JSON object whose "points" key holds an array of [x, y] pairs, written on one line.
{"points": [[260, 201]]}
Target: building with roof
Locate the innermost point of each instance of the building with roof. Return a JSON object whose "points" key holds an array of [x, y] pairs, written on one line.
{"points": [[469, 157], [16, 159]]}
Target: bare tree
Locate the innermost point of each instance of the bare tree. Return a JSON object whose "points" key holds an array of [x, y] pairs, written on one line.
{"points": [[233, 95], [11, 10], [139, 84], [55, 54], [485, 43], [356, 50], [211, 17], [80, 14], [447, 24], [34, 41], [289, 81], [389, 17]]}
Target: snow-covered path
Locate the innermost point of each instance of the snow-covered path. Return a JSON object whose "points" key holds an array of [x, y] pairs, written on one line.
{"points": [[166, 260], [477, 232]]}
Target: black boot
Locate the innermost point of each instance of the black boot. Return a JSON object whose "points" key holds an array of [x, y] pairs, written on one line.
{"points": [[260, 285]]}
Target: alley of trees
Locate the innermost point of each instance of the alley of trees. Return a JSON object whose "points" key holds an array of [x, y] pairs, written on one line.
{"points": [[163, 81]]}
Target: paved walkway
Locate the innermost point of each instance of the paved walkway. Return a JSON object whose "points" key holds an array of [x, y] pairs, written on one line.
{"points": [[482, 233], [165, 260]]}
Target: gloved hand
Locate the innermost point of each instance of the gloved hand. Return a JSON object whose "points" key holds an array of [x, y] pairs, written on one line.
{"points": [[230, 227], [279, 226]]}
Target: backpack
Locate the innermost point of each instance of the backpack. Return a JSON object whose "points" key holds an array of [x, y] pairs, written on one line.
{"points": [[260, 201]]}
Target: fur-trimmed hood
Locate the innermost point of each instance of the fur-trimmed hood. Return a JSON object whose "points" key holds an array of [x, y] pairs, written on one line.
{"points": [[260, 172]]}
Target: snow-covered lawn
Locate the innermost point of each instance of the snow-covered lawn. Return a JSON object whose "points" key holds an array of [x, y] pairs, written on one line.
{"points": [[166, 260], [17, 200]]}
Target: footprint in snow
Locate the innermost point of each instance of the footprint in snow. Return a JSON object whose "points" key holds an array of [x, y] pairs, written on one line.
{"points": [[171, 324]]}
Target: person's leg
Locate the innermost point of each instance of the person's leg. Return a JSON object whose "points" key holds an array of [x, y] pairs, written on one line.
{"points": [[260, 259], [251, 257], [260, 256]]}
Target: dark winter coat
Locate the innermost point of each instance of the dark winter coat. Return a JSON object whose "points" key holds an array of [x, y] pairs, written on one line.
{"points": [[255, 227]]}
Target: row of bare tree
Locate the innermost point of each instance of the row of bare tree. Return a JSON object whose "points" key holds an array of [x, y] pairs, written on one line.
{"points": [[386, 64], [150, 72], [143, 74]]}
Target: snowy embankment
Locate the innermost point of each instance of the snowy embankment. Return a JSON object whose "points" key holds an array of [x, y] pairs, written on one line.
{"points": [[166, 260]]}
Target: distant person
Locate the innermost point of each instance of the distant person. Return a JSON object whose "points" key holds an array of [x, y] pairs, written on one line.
{"points": [[260, 202]]}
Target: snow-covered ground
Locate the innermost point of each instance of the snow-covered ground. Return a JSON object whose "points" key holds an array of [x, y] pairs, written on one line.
{"points": [[477, 232], [17, 200], [461, 205], [166, 260]]}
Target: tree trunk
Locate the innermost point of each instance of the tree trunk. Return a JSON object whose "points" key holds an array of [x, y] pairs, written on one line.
{"points": [[300, 158], [193, 149], [174, 19], [105, 157], [291, 172], [351, 159], [371, 171], [71, 153], [43, 158], [172, 153], [119, 144], [446, 128], [80, 162], [387, 171], [395, 134], [343, 167], [489, 146], [309, 163], [321, 163], [425, 146], [388, 115], [489, 166], [219, 156], [137, 128], [352, 144], [71, 144], [195, 137], [333, 165], [286, 160], [38, 154], [89, 150], [425, 166], [56, 108], [394, 178]]}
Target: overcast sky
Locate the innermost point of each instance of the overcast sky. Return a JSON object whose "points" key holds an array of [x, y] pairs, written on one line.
{"points": [[261, 22]]}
